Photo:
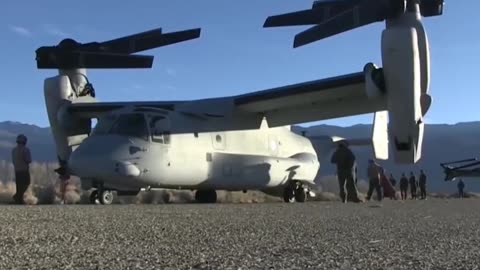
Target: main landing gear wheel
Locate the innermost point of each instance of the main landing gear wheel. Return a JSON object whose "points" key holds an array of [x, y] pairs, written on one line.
{"points": [[206, 196], [106, 197], [94, 197]]}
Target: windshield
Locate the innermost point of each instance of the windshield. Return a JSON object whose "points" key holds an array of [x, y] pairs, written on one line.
{"points": [[131, 125]]}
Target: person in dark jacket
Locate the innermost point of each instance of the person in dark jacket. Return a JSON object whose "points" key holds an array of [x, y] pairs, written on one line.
{"points": [[346, 172], [403, 186], [460, 187], [413, 185], [374, 175], [392, 180], [422, 182], [21, 159]]}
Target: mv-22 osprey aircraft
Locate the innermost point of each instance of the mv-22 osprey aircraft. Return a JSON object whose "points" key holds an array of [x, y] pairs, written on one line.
{"points": [[466, 168], [242, 142]]}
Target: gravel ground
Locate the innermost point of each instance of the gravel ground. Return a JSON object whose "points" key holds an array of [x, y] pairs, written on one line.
{"points": [[432, 234]]}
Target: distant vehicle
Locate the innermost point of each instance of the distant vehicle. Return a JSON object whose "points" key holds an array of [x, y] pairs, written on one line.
{"points": [[243, 142], [470, 168]]}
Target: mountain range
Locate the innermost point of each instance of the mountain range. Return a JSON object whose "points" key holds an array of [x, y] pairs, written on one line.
{"points": [[442, 143]]}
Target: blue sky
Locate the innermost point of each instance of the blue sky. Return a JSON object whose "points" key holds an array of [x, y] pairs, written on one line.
{"points": [[234, 54]]}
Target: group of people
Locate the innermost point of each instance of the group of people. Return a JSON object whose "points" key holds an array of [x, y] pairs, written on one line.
{"points": [[384, 187]]}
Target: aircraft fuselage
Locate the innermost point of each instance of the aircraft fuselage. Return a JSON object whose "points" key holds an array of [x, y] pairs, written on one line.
{"points": [[131, 151]]}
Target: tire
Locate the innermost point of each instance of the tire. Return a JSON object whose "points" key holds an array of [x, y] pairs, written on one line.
{"points": [[94, 197], [300, 195], [288, 195], [106, 197]]}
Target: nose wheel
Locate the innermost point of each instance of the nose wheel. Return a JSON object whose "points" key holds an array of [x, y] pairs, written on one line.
{"points": [[102, 197], [294, 192]]}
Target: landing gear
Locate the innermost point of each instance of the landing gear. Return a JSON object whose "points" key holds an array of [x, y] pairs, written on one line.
{"points": [[106, 197], [294, 192], [206, 196], [94, 197], [102, 197]]}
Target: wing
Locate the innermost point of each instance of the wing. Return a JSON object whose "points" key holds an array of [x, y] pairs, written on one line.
{"points": [[312, 101], [96, 109]]}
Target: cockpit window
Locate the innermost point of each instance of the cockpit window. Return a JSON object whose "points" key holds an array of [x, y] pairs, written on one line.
{"points": [[104, 124], [159, 129], [132, 125]]}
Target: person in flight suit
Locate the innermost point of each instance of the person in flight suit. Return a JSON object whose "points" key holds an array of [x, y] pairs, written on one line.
{"points": [[374, 174], [346, 172], [413, 185], [21, 159], [392, 180], [422, 182], [403, 186], [460, 187]]}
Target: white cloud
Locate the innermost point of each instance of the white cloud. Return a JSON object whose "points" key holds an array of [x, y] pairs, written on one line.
{"points": [[54, 31], [22, 31], [171, 72]]}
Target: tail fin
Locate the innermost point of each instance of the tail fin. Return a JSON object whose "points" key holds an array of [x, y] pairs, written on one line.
{"points": [[324, 145]]}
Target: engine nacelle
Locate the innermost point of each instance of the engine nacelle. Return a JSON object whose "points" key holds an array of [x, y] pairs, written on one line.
{"points": [[403, 80], [374, 82], [68, 132]]}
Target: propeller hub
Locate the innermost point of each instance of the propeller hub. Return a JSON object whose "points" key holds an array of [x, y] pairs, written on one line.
{"points": [[68, 44]]}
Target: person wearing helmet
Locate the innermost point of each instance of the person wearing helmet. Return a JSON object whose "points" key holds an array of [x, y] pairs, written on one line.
{"points": [[346, 172], [21, 159]]}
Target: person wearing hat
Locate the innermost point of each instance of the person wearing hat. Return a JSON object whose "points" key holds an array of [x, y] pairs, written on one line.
{"points": [[21, 159], [346, 172]]}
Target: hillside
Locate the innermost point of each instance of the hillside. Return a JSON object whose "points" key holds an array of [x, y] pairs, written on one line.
{"points": [[442, 143]]}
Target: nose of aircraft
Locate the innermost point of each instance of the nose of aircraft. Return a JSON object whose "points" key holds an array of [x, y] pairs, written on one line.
{"points": [[106, 157]]}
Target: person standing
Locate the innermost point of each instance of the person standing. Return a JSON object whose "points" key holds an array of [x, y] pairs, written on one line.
{"points": [[460, 187], [392, 180], [21, 159], [403, 186], [374, 176], [413, 186], [346, 172], [422, 182]]}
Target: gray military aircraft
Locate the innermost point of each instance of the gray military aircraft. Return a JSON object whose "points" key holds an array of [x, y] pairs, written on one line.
{"points": [[470, 168], [241, 142]]}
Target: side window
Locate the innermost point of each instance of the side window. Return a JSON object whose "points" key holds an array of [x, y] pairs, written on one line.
{"points": [[158, 128]]}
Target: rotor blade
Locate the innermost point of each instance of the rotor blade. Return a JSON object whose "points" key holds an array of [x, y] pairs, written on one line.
{"points": [[320, 12], [343, 4], [467, 165], [148, 40], [47, 59], [460, 161], [357, 16], [128, 44], [304, 17]]}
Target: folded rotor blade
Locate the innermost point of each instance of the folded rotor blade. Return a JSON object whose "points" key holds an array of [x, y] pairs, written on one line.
{"points": [[355, 17], [304, 17], [320, 12], [128, 44], [143, 41], [47, 59]]}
